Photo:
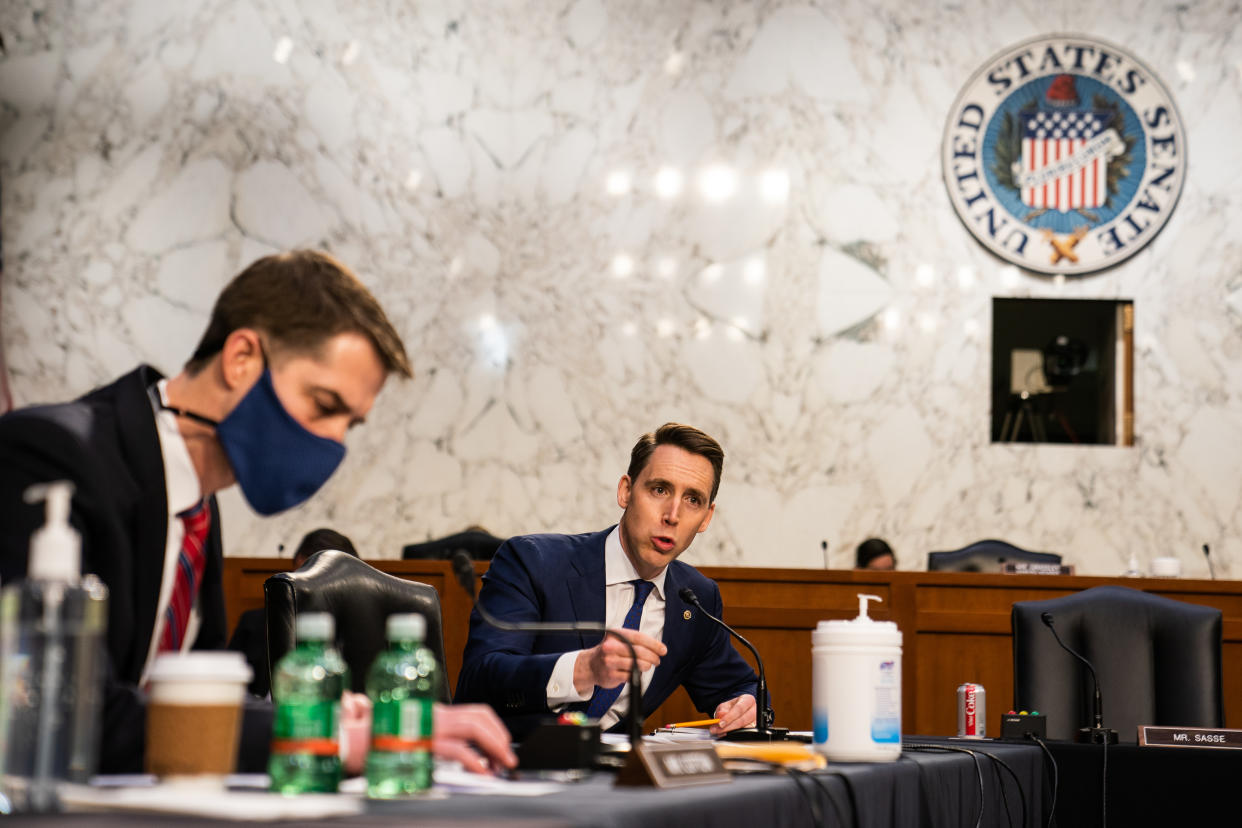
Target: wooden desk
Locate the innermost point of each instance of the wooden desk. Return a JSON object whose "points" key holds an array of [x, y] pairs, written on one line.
{"points": [[955, 627]]}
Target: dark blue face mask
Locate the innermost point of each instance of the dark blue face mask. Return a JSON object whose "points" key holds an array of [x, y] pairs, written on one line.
{"points": [[276, 461]]}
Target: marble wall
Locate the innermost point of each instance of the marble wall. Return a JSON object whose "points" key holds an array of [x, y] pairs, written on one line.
{"points": [[591, 216]]}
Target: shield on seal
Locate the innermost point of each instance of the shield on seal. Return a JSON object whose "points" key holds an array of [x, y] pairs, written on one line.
{"points": [[1065, 152]]}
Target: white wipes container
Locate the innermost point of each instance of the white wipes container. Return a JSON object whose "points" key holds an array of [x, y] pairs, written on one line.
{"points": [[856, 688]]}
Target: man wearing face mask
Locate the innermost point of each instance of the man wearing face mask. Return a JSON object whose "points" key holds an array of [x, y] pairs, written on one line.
{"points": [[294, 355]]}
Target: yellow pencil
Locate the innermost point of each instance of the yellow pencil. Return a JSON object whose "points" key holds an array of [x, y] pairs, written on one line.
{"points": [[700, 723]]}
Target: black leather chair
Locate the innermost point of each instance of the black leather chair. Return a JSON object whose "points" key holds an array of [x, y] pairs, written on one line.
{"points": [[360, 598], [986, 556], [1158, 661], [480, 546]]}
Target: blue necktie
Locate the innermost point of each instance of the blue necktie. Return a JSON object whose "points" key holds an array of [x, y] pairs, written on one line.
{"points": [[601, 699]]}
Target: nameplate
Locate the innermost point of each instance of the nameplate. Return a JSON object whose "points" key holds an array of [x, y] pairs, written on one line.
{"points": [[673, 766], [1034, 568], [1189, 737]]}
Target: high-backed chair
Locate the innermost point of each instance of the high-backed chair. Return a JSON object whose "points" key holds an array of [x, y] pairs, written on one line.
{"points": [[1158, 661], [986, 556], [478, 544], [360, 598]]}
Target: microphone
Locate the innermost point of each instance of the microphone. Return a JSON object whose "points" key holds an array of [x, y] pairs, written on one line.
{"points": [[1097, 733], [763, 730], [463, 568], [1207, 553]]}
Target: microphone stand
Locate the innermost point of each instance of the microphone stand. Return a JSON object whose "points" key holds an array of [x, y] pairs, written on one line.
{"points": [[1097, 734], [763, 730], [463, 568], [1207, 553]]}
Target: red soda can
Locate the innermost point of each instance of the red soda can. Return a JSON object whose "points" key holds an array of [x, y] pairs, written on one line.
{"points": [[972, 711]]}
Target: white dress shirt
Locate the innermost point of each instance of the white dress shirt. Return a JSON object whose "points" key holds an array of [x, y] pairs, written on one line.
{"points": [[618, 598], [183, 492]]}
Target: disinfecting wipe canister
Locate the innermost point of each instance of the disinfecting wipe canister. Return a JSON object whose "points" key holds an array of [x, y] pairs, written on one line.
{"points": [[856, 688]]}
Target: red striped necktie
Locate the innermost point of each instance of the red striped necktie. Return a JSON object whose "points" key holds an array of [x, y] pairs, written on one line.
{"points": [[197, 522]]}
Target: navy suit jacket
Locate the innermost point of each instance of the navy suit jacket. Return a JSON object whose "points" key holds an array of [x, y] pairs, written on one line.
{"points": [[561, 578]]}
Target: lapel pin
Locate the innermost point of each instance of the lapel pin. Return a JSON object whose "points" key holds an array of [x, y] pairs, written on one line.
{"points": [[686, 615]]}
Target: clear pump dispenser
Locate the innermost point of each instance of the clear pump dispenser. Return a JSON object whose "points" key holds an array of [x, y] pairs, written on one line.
{"points": [[51, 664]]}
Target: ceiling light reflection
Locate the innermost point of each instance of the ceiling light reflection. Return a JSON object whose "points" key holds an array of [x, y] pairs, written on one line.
{"points": [[712, 273], [674, 63], [668, 182], [667, 267], [925, 275], [718, 182], [351, 53], [665, 327], [774, 186], [891, 319], [284, 48], [622, 265], [618, 183], [755, 270]]}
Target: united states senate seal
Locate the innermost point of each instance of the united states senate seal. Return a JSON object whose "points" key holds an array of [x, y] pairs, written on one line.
{"points": [[1064, 154]]}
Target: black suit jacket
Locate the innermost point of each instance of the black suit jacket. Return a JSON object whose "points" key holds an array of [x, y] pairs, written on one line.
{"points": [[106, 444]]}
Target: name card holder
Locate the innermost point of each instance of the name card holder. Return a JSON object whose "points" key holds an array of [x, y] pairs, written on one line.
{"points": [[1189, 737], [673, 766]]}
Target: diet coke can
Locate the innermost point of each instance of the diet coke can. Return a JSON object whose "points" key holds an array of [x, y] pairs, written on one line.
{"points": [[972, 711]]}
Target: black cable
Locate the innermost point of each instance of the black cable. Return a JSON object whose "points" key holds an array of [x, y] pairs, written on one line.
{"points": [[1002, 764], [1104, 790], [817, 814], [849, 791], [766, 766], [950, 748], [1052, 761]]}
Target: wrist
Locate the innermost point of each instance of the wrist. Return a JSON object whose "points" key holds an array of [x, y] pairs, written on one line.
{"points": [[584, 677]]}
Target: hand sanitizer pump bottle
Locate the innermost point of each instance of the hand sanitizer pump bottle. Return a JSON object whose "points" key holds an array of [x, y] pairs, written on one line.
{"points": [[856, 688], [51, 664]]}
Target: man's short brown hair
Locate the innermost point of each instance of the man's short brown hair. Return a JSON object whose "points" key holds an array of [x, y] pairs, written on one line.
{"points": [[300, 300], [683, 436]]}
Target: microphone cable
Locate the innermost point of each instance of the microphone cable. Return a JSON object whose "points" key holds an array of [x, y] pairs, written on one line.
{"points": [[1053, 762], [1104, 790], [768, 767], [765, 766], [1001, 764], [849, 791], [920, 746]]}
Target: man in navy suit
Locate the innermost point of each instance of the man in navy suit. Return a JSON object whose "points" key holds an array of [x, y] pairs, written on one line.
{"points": [[668, 496]]}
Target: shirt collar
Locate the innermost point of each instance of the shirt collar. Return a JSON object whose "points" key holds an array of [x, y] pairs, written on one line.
{"points": [[180, 478], [617, 566]]}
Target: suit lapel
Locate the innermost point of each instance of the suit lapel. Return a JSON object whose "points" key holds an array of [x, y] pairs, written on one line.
{"points": [[678, 637], [586, 588], [141, 445]]}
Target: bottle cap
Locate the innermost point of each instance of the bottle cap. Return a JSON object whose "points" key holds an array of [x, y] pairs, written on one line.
{"points": [[315, 626], [405, 626]]}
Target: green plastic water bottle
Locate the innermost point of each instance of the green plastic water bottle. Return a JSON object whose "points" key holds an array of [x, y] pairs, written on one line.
{"points": [[402, 685], [306, 692]]}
